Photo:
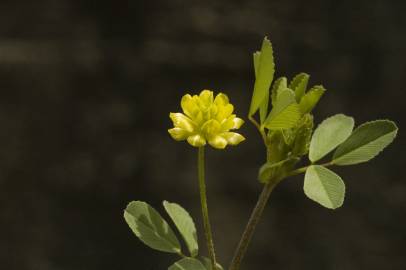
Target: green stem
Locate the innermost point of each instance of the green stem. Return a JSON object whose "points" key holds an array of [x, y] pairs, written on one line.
{"points": [[205, 210], [258, 210], [254, 219], [259, 127], [303, 169], [251, 225]]}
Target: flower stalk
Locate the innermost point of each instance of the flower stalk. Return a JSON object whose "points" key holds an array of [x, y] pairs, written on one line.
{"points": [[205, 210]]}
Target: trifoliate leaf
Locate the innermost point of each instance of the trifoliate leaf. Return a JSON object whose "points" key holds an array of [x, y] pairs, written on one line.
{"points": [[185, 225], [299, 85], [265, 72], [324, 186], [187, 264], [278, 86], [150, 227], [365, 142], [285, 112], [329, 134], [311, 98]]}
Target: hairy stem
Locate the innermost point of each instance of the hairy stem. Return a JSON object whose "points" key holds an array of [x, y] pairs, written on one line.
{"points": [[251, 225], [205, 210], [255, 217], [259, 208]]}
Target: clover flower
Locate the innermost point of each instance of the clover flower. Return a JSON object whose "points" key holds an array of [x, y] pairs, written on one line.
{"points": [[206, 119]]}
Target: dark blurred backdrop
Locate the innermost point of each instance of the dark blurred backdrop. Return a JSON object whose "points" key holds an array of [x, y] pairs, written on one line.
{"points": [[86, 89]]}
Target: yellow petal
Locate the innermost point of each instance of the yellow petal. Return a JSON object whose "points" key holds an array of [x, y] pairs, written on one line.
{"points": [[178, 134], [195, 98], [211, 128], [198, 119], [228, 110], [182, 121], [213, 110], [221, 99], [196, 140], [206, 98], [238, 122], [224, 112], [188, 105], [228, 123], [232, 137], [218, 142], [206, 119]]}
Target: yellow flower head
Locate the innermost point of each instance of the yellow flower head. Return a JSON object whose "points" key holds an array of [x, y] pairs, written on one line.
{"points": [[206, 119]]}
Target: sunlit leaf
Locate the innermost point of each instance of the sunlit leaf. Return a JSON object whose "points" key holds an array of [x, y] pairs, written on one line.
{"points": [[279, 85], [263, 108], [299, 85], [329, 134], [256, 57], [285, 112], [324, 186], [265, 68], [311, 98], [365, 142]]}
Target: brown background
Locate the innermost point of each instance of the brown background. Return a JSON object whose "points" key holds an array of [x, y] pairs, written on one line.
{"points": [[86, 88]]}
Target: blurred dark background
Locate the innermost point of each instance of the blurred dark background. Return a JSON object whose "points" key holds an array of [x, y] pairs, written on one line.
{"points": [[86, 89]]}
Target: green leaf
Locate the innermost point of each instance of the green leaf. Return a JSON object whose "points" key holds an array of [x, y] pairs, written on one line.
{"points": [[311, 98], [275, 171], [187, 264], [185, 225], [207, 263], [277, 146], [278, 86], [299, 85], [324, 186], [365, 142], [285, 112], [329, 134], [303, 136], [265, 72], [288, 136], [256, 58], [263, 108], [150, 227]]}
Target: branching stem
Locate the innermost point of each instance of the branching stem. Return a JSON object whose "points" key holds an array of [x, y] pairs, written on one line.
{"points": [[257, 213]]}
